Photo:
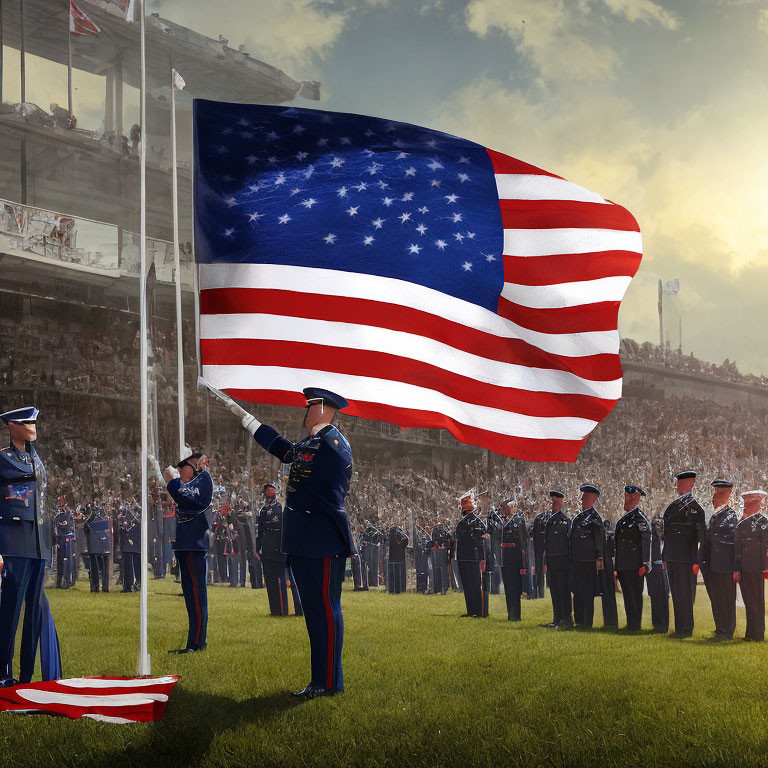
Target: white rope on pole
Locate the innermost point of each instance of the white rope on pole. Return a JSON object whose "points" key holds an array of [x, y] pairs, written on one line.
{"points": [[144, 662], [177, 82]]}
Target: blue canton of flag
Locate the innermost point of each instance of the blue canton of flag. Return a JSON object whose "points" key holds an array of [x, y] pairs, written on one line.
{"points": [[309, 188]]}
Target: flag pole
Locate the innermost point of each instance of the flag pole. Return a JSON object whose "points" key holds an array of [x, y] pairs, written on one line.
{"points": [[69, 62], [144, 662], [177, 258]]}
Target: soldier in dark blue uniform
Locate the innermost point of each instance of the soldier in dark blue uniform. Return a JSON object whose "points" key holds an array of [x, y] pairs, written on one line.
{"points": [[587, 555], [539, 532], [398, 542], [316, 533], [656, 579], [25, 549], [359, 569], [191, 487], [64, 526], [470, 554], [494, 524], [557, 561], [269, 542], [98, 537], [720, 560], [633, 554], [130, 548], [607, 579], [514, 563], [685, 532], [421, 556], [369, 556], [440, 549], [751, 562]]}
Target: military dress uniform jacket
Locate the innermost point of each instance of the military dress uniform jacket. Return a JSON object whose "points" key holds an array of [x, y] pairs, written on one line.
{"points": [[685, 530], [64, 523], [719, 552], [130, 536], [98, 534], [24, 529], [193, 500], [495, 525], [539, 530], [657, 539], [514, 542], [587, 537], [269, 532], [751, 544], [315, 522], [632, 540], [398, 542], [441, 546], [557, 542], [469, 539]]}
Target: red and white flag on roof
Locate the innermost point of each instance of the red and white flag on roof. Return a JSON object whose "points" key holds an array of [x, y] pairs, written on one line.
{"points": [[79, 23], [109, 699]]}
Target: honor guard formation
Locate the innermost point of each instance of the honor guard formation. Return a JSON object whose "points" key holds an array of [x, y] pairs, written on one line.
{"points": [[299, 546]]}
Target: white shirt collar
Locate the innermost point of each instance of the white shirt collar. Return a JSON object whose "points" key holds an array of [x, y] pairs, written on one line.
{"points": [[318, 427]]}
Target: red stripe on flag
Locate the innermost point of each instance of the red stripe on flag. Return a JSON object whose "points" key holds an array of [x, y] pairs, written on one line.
{"points": [[601, 316], [569, 267], [356, 362], [559, 214], [524, 448], [506, 164], [329, 619], [394, 317]]}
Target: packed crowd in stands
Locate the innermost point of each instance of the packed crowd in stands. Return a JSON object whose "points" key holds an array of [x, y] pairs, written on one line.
{"points": [[670, 357]]}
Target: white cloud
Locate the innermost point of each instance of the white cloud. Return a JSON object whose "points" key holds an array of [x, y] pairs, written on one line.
{"points": [[762, 20], [643, 10], [289, 34], [561, 37]]}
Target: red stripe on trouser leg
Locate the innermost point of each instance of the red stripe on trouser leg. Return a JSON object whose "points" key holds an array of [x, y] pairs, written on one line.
{"points": [[280, 593], [193, 576], [329, 618]]}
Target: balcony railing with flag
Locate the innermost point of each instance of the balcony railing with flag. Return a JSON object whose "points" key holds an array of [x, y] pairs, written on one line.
{"points": [[29, 231]]}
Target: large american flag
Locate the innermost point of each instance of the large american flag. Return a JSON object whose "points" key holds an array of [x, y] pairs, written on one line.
{"points": [[108, 699], [429, 280]]}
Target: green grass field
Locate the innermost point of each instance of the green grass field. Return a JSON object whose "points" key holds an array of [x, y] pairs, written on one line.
{"points": [[424, 687]]}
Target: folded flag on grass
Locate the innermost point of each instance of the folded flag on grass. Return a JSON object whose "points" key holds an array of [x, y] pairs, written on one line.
{"points": [[109, 699]]}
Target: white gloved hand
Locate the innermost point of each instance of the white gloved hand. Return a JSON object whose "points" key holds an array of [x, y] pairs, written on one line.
{"points": [[250, 423], [235, 409], [172, 471]]}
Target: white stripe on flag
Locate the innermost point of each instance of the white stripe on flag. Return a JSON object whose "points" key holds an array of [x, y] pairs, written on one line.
{"points": [[398, 394], [567, 294], [523, 186], [331, 282], [414, 347], [39, 696], [100, 682], [548, 242]]}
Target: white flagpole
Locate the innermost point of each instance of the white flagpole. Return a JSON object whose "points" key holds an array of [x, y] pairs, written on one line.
{"points": [[177, 257], [144, 662], [69, 62]]}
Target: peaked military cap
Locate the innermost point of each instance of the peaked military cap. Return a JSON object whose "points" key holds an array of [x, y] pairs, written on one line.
{"points": [[556, 494], [634, 489], [721, 483], [26, 415], [328, 397], [268, 485], [187, 454], [686, 474], [589, 488], [758, 492]]}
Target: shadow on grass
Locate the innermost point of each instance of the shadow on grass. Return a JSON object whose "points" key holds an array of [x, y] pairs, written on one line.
{"points": [[192, 722]]}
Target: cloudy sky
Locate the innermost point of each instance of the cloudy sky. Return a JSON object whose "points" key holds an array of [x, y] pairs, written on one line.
{"points": [[660, 106]]}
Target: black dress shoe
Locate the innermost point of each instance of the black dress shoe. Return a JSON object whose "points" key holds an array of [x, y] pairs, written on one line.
{"points": [[8, 682], [311, 692], [188, 650]]}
